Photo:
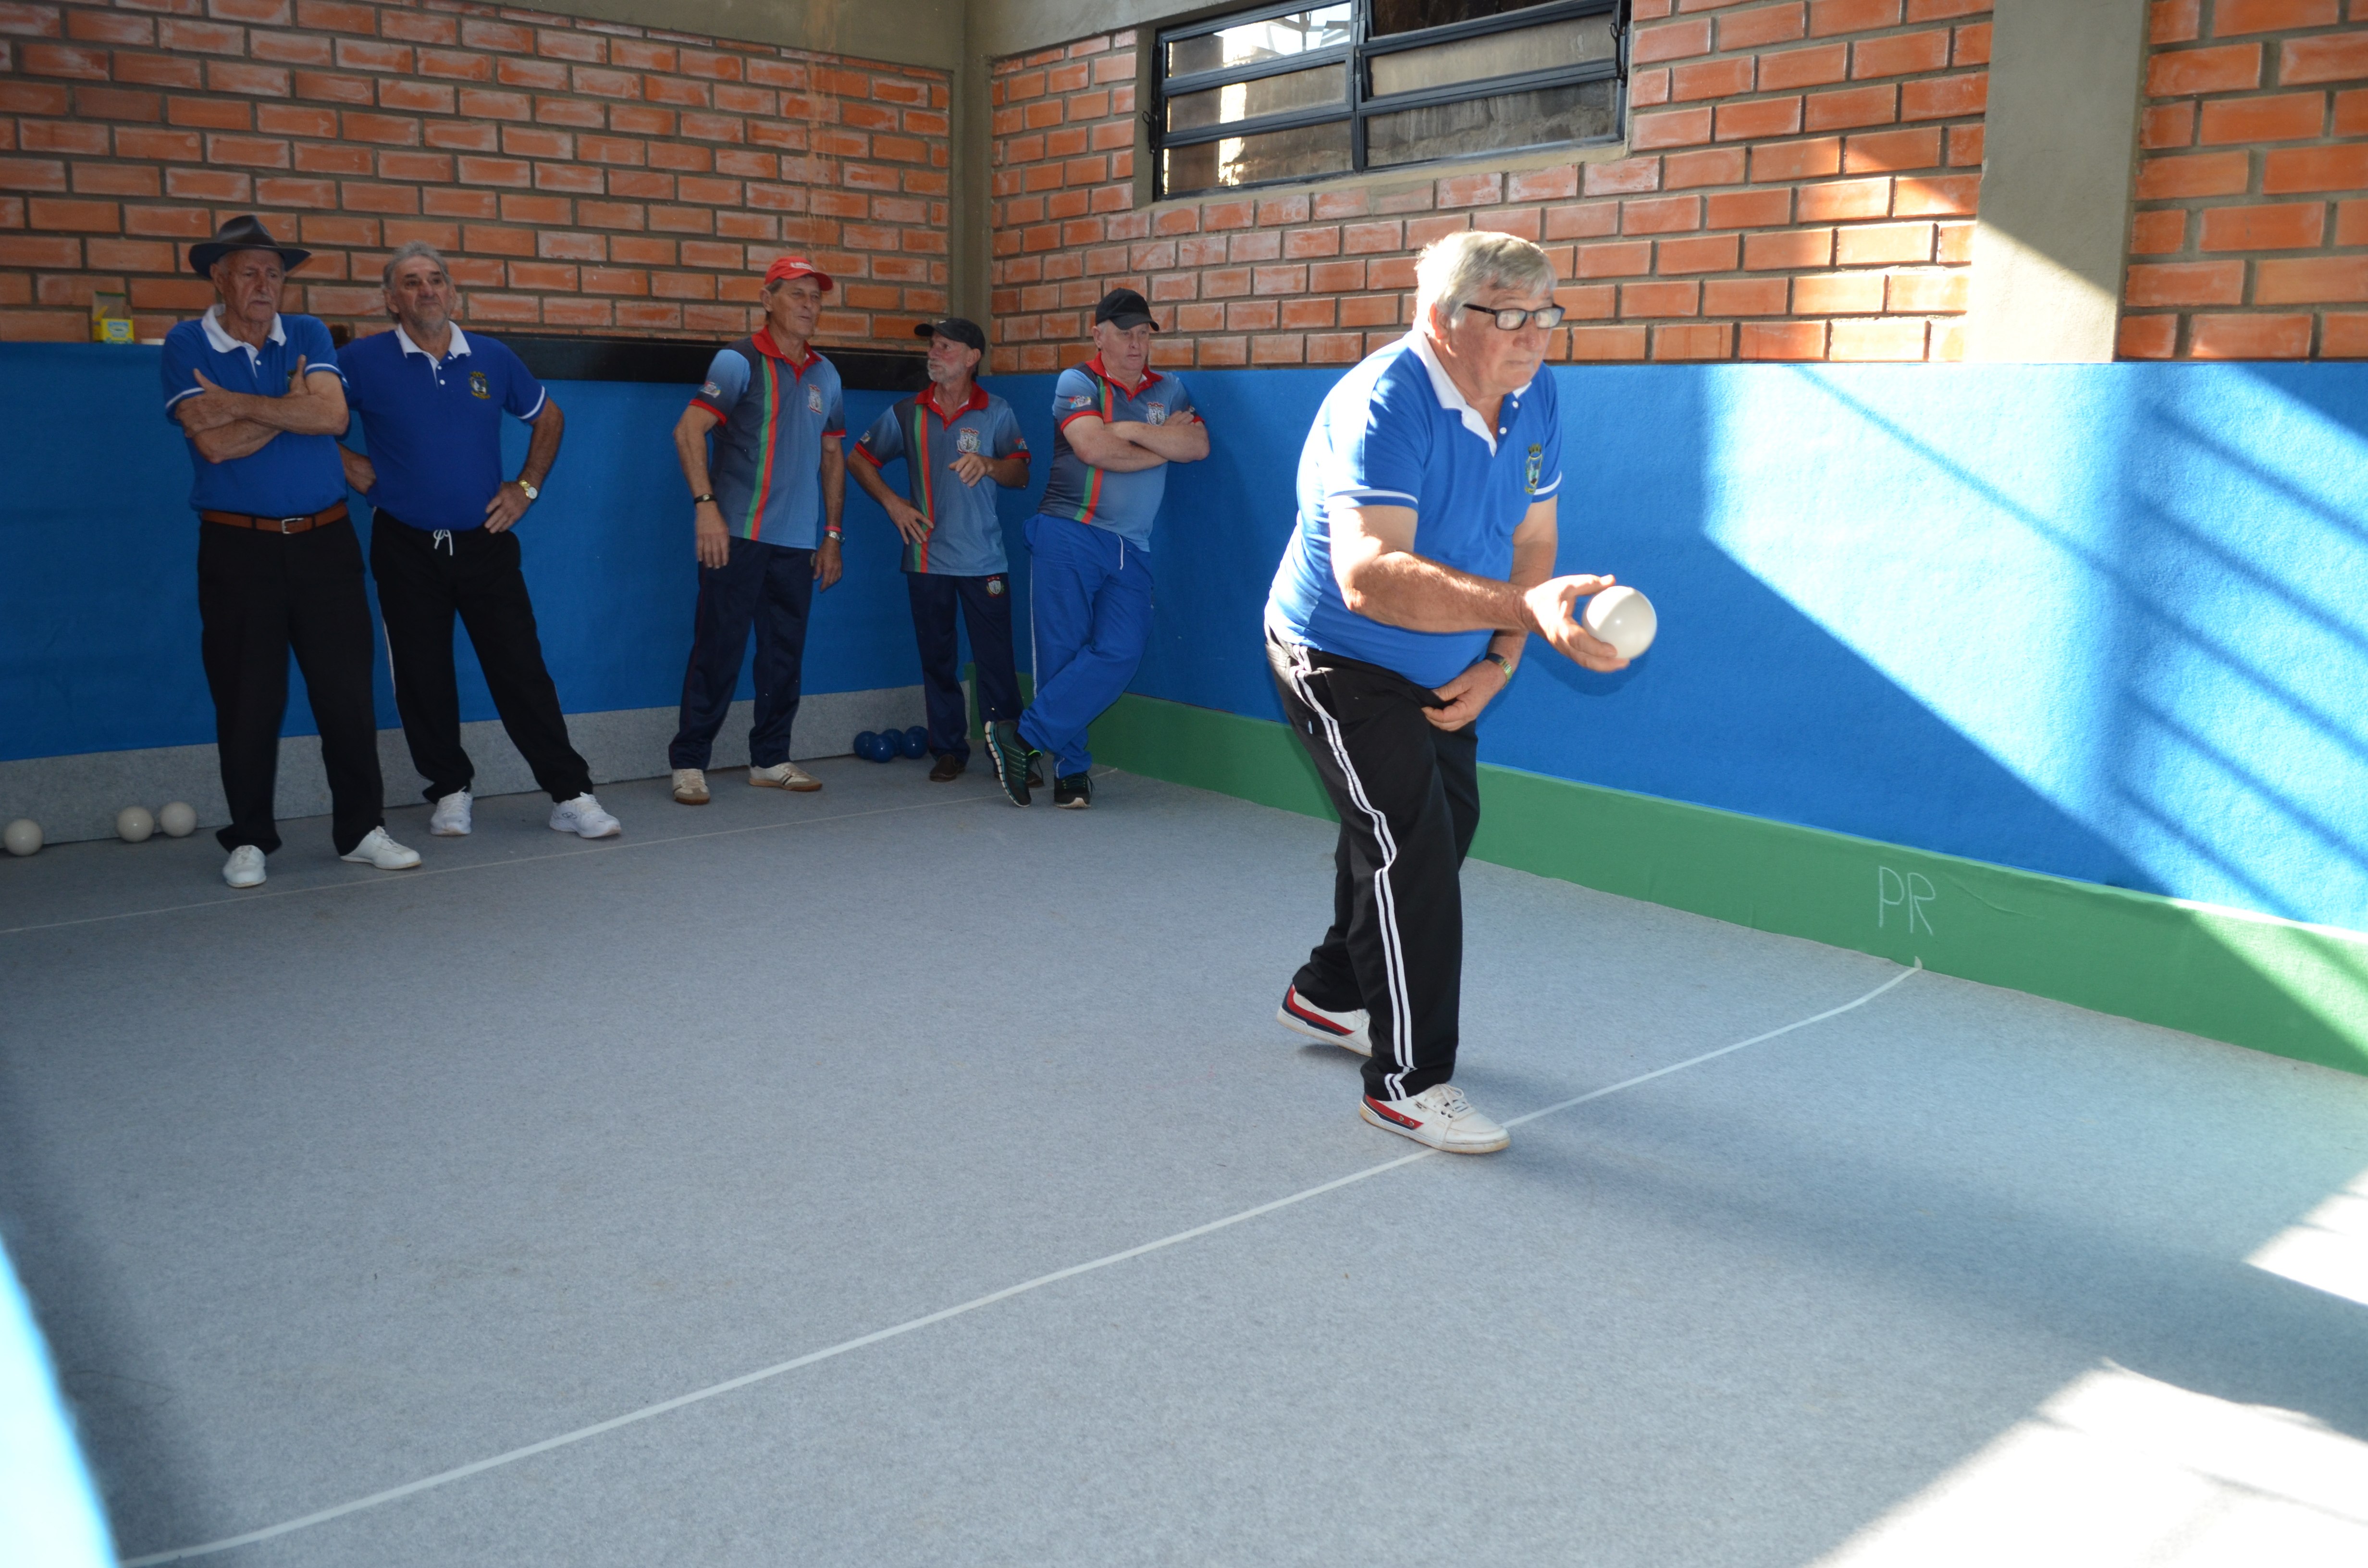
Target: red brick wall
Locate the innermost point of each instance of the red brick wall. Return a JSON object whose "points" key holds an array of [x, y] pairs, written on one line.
{"points": [[2252, 235], [580, 176], [1801, 185]]}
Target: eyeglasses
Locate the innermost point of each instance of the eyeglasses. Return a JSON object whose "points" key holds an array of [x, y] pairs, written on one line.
{"points": [[1513, 321]]}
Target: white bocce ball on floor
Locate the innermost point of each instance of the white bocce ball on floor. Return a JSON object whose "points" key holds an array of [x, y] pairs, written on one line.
{"points": [[22, 837], [134, 823], [1624, 618], [179, 819]]}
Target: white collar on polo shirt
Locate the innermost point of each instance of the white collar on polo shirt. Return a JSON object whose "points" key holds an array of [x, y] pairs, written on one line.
{"points": [[222, 341], [1452, 399], [460, 342]]}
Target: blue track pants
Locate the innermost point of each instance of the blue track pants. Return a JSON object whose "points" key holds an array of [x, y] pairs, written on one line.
{"points": [[1090, 599]]}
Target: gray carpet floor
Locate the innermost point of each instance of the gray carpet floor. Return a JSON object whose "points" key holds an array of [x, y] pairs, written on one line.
{"points": [[329, 1188]]}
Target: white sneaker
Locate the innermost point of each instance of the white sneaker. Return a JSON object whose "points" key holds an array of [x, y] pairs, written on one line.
{"points": [[450, 817], [690, 787], [376, 850], [1440, 1117], [245, 867], [583, 817], [783, 775], [1349, 1029]]}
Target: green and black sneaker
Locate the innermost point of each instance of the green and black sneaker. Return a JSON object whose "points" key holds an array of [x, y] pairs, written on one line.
{"points": [[1073, 790], [1014, 759]]}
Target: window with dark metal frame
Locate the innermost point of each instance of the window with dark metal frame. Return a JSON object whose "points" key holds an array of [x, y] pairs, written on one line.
{"points": [[1305, 88]]}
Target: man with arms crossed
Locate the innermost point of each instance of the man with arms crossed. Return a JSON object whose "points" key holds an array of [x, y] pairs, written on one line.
{"points": [[1422, 560], [431, 400], [262, 402], [951, 435], [1116, 423], [767, 527]]}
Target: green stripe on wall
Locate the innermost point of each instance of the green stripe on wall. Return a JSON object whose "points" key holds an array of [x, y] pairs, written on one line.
{"points": [[2297, 991]]}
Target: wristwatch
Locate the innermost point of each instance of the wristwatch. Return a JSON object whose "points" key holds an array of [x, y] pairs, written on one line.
{"points": [[1503, 664], [531, 493]]}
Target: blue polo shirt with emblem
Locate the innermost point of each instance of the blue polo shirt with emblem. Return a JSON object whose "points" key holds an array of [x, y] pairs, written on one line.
{"points": [[435, 425], [767, 462], [290, 475], [965, 537], [1394, 432], [1126, 504]]}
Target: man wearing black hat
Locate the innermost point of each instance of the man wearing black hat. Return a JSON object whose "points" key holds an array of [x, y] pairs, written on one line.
{"points": [[952, 436], [262, 402], [1117, 425]]}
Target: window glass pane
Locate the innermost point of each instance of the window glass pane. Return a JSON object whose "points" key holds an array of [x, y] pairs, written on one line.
{"points": [[1410, 16], [1267, 95], [1251, 42], [1552, 47], [1581, 112], [1302, 153]]}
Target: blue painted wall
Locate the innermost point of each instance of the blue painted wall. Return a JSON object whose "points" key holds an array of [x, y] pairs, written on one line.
{"points": [[98, 613], [2105, 621], [2108, 622]]}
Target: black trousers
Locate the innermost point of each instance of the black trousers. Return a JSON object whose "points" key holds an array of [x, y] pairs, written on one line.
{"points": [[770, 586], [259, 596], [1408, 797], [986, 609], [424, 581]]}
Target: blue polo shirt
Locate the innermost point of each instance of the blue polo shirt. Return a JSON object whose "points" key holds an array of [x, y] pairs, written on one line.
{"points": [[965, 537], [435, 425], [1126, 504], [1394, 432], [776, 411], [290, 475]]}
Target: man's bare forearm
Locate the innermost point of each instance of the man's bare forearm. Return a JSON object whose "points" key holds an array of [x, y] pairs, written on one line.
{"points": [[834, 486], [868, 480], [1401, 588], [542, 449], [1184, 442], [1010, 472], [307, 413], [239, 438]]}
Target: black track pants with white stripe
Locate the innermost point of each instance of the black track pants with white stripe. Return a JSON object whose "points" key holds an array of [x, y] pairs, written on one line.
{"points": [[1408, 797]]}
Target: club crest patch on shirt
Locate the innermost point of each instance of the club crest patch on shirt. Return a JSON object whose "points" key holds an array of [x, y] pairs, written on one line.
{"points": [[814, 399], [1156, 412], [966, 440], [993, 585], [478, 386], [1536, 466]]}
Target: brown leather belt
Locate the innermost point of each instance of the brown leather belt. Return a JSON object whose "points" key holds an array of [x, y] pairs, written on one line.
{"points": [[296, 525]]}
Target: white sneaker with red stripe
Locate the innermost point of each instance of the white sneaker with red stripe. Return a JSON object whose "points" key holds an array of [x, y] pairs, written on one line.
{"points": [[1440, 1117], [1350, 1028]]}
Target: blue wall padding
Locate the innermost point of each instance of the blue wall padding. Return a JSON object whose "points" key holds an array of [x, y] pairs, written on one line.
{"points": [[98, 612], [2105, 621]]}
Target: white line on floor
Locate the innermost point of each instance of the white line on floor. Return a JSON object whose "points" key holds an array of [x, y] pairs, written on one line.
{"points": [[648, 1411], [413, 878]]}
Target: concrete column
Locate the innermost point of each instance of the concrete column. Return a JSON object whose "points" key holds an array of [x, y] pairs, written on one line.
{"points": [[2060, 154]]}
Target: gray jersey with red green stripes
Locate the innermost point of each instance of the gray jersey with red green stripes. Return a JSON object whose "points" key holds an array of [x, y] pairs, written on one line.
{"points": [[1126, 504], [767, 462], [965, 537]]}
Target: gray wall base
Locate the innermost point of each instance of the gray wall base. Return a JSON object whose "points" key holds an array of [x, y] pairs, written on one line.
{"points": [[76, 797]]}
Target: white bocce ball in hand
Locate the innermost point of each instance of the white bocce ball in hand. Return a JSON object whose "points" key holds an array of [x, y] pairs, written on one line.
{"points": [[178, 819], [22, 837], [134, 823], [1624, 618]]}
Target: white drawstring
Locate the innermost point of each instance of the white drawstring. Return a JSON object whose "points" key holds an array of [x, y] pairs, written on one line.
{"points": [[444, 538]]}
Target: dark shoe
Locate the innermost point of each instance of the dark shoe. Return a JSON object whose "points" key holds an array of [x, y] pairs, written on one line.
{"points": [[948, 768], [1012, 757], [1035, 773], [1074, 790]]}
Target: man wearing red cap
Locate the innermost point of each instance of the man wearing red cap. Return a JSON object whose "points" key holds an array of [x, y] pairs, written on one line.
{"points": [[768, 525]]}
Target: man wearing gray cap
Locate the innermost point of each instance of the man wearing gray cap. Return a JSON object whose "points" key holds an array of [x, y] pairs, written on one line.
{"points": [[262, 402], [952, 437], [1116, 423]]}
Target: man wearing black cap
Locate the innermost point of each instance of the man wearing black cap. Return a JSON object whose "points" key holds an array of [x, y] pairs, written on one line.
{"points": [[1117, 425], [262, 401], [952, 437]]}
